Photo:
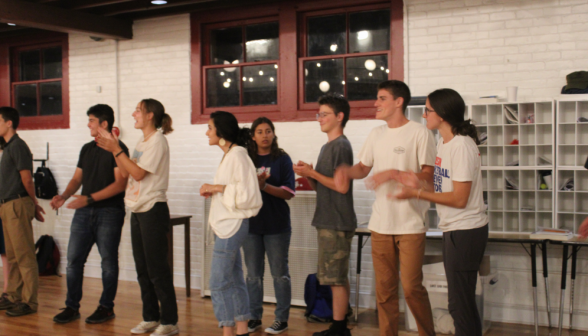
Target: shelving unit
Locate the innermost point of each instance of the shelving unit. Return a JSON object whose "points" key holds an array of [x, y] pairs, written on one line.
{"points": [[527, 207], [572, 151]]}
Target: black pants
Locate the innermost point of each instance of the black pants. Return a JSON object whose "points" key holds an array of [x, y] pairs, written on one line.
{"points": [[149, 239], [462, 254]]}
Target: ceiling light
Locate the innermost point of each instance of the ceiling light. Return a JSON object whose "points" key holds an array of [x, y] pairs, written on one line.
{"points": [[343, 82], [334, 47], [222, 73], [244, 79], [260, 73], [370, 74], [318, 65], [324, 86], [158, 2], [251, 79], [226, 84], [11, 24], [356, 79], [382, 68], [228, 80], [275, 66], [387, 70], [271, 79]]}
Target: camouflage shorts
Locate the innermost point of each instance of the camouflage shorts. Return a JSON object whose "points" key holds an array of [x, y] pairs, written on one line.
{"points": [[334, 248]]}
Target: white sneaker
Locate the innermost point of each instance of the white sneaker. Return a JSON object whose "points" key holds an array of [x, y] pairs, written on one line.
{"points": [[166, 330], [145, 327]]}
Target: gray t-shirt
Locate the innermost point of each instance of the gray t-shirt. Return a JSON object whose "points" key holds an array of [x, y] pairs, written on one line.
{"points": [[16, 157], [334, 210]]}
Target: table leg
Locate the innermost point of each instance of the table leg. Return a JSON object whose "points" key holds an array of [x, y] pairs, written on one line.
{"points": [[573, 280], [545, 277], [170, 248], [534, 281], [187, 255], [357, 275], [564, 270]]}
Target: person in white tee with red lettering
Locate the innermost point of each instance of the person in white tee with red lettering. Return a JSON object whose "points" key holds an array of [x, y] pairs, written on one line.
{"points": [[457, 190]]}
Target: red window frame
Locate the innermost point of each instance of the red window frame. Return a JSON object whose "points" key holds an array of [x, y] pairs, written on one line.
{"points": [[9, 48], [241, 108], [356, 105], [290, 16]]}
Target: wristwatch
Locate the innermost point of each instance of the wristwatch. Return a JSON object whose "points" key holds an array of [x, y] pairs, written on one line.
{"points": [[89, 199]]}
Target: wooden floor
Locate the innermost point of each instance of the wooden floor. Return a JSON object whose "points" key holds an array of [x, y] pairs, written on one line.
{"points": [[195, 314]]}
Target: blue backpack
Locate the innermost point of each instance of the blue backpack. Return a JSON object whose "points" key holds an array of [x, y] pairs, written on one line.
{"points": [[318, 299]]}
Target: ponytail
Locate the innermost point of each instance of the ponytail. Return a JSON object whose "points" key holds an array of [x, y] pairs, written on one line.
{"points": [[450, 106], [244, 137], [166, 124], [160, 118], [467, 129]]}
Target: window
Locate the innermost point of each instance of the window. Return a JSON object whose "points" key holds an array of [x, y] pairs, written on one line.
{"points": [[277, 59], [242, 68], [37, 81], [345, 53]]}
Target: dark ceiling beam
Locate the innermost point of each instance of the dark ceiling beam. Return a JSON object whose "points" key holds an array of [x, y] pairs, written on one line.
{"points": [[81, 4], [131, 7], [220, 4], [63, 20]]}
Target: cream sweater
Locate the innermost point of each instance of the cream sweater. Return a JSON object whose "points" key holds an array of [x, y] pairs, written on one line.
{"points": [[241, 198]]}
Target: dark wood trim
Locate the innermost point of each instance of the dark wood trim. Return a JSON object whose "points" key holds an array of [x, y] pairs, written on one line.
{"points": [[292, 46], [52, 18]]}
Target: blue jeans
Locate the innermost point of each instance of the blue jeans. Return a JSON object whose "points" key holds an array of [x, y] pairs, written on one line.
{"points": [[227, 285], [276, 246], [102, 226]]}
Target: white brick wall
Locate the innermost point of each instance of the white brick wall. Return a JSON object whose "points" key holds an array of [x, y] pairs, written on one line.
{"points": [[478, 47]]}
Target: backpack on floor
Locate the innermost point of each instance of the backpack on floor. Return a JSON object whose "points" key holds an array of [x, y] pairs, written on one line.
{"points": [[48, 256], [319, 301], [45, 185]]}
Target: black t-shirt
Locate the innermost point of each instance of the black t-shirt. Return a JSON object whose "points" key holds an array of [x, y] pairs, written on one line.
{"points": [[97, 167], [274, 215]]}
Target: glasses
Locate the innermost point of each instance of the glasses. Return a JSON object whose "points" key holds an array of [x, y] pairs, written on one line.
{"points": [[322, 115], [427, 111]]}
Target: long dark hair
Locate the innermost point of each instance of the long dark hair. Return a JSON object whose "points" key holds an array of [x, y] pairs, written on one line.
{"points": [[275, 150], [227, 128], [160, 118], [449, 105]]}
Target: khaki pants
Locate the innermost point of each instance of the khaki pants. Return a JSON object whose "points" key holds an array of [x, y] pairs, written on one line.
{"points": [[23, 279], [387, 251]]}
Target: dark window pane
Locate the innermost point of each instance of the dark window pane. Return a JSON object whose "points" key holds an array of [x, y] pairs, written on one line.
{"points": [[363, 76], [226, 46], [29, 65], [327, 35], [369, 31], [260, 85], [26, 99], [51, 98], [262, 42], [222, 87], [52, 63], [321, 77]]}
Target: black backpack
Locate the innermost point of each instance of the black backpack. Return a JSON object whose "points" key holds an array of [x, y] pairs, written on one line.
{"points": [[45, 185], [48, 256]]}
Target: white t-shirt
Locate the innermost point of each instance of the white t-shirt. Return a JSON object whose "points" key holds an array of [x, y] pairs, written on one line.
{"points": [[403, 148], [459, 160], [241, 198], [152, 156]]}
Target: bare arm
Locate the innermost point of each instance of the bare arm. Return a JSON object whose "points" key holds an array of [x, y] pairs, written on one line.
{"points": [[306, 170], [458, 198], [27, 181], [278, 192], [72, 187], [109, 142]]}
